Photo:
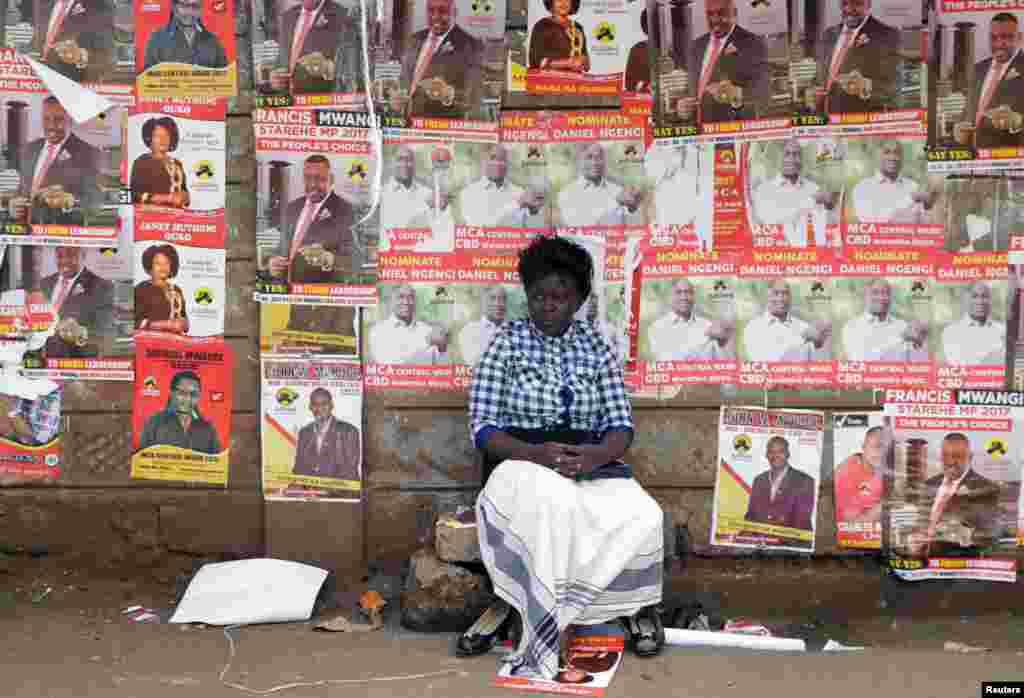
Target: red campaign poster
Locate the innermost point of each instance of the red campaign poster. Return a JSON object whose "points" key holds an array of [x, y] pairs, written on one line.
{"points": [[883, 315], [169, 65], [970, 320], [784, 302], [30, 430], [729, 225], [687, 324], [181, 418]]}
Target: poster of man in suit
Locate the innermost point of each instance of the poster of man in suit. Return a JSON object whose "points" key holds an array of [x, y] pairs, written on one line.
{"points": [[75, 38], [735, 66], [311, 428], [307, 47], [446, 58], [317, 209], [58, 173], [769, 468], [977, 76]]}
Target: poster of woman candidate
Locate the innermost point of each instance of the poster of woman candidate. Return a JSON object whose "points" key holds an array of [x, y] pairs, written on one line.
{"points": [[311, 52], [60, 180], [179, 269], [580, 47], [185, 48], [181, 417], [952, 486], [975, 88], [857, 64], [176, 154], [722, 67], [440, 63], [317, 206], [311, 430], [766, 487]]}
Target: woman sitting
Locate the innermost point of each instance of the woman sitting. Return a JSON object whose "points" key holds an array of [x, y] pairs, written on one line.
{"points": [[566, 533]]}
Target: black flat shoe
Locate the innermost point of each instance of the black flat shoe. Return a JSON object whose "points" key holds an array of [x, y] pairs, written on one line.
{"points": [[500, 621], [646, 632]]}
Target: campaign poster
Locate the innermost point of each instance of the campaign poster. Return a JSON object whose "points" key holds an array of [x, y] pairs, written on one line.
{"points": [[31, 429], [76, 317], [976, 87], [317, 206], [185, 47], [730, 228], [611, 318], [1014, 324], [432, 187], [309, 329], [766, 486], [310, 53], [179, 268], [889, 197], [596, 164], [971, 309], [860, 444], [792, 191], [984, 212], [175, 156], [582, 47], [311, 430], [88, 41], [722, 68], [682, 180], [181, 417], [785, 318], [521, 160], [885, 337], [687, 324], [59, 180], [953, 486], [440, 64], [595, 654], [857, 66]]}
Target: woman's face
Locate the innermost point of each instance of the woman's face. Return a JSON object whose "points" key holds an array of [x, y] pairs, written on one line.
{"points": [[552, 302], [161, 269], [161, 141], [562, 8]]}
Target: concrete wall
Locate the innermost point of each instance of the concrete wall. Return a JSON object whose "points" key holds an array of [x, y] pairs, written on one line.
{"points": [[419, 459]]}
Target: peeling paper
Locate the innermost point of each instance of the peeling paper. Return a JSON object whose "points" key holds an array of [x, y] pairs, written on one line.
{"points": [[80, 103]]}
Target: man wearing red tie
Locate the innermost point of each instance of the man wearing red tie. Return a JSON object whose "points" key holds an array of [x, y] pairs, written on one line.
{"points": [[76, 293], [77, 39], [1000, 83], [861, 56], [317, 244], [314, 36], [729, 66], [59, 159], [442, 66]]}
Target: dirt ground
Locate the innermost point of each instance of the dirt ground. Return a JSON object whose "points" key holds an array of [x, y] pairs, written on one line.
{"points": [[75, 642]]}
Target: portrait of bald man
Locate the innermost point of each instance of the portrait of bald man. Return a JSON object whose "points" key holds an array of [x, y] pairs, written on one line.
{"points": [[860, 57], [889, 195], [725, 58], [400, 336], [792, 201], [404, 198], [442, 66], [975, 339], [591, 196], [778, 334], [877, 335], [484, 200], [476, 336], [682, 334]]}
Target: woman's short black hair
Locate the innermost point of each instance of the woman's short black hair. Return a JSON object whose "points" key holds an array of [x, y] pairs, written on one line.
{"points": [[164, 122], [167, 251], [572, 10], [554, 255]]}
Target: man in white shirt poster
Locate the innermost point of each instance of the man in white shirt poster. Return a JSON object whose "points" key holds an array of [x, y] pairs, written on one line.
{"points": [[888, 196], [792, 201], [485, 199], [404, 198], [400, 336], [975, 339], [684, 335], [590, 196], [778, 335], [876, 335], [476, 336]]}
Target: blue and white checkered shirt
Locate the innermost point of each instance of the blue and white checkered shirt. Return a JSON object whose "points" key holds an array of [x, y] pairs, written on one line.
{"points": [[528, 380]]}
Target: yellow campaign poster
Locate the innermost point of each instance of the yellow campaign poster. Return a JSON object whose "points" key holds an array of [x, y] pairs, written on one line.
{"points": [[311, 428], [766, 488], [309, 329]]}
